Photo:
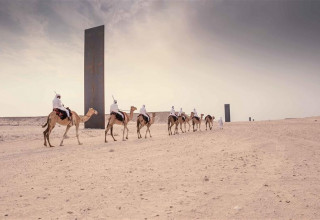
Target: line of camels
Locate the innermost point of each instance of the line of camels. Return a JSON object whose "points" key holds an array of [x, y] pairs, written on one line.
{"points": [[184, 119]]}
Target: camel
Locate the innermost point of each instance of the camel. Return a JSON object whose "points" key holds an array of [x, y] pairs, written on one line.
{"points": [[195, 121], [185, 121], [113, 120], [209, 120], [141, 122], [172, 122], [53, 118]]}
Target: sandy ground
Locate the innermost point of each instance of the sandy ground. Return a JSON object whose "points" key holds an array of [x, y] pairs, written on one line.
{"points": [[249, 170]]}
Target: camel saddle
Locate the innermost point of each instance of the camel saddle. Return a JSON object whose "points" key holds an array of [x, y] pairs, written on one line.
{"points": [[175, 118], [183, 117], [196, 118], [209, 116], [144, 117], [119, 117], [62, 114]]}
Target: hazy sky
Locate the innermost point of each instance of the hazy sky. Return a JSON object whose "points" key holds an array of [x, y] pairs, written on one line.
{"points": [[262, 57]]}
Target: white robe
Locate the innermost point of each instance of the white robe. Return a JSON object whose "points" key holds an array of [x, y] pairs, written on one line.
{"points": [[56, 103], [220, 123], [114, 108], [172, 112], [195, 114], [143, 111]]}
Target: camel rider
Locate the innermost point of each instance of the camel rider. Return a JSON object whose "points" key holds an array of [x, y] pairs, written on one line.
{"points": [[143, 111], [195, 114], [56, 103], [173, 112], [114, 109], [180, 112]]}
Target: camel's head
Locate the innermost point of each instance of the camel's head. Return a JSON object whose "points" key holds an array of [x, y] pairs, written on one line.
{"points": [[213, 117], [202, 115], [192, 114], [133, 108], [92, 111]]}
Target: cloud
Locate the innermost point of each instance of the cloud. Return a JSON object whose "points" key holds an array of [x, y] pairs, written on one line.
{"points": [[253, 55]]}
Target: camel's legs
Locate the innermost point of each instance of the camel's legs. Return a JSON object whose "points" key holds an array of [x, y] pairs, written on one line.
{"points": [[48, 136], [106, 132], [170, 128], [77, 132], [140, 127], [149, 131], [127, 131], [172, 124], [45, 135], [146, 132], [109, 127], [111, 132], [124, 130], [65, 134], [181, 127]]}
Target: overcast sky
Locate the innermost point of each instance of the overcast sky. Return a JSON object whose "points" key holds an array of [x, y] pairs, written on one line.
{"points": [[262, 57]]}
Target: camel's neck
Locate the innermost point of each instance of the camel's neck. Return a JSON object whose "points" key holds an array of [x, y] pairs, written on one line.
{"points": [[86, 117], [152, 120], [131, 115]]}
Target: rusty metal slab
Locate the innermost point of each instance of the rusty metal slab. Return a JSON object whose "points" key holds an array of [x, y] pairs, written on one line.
{"points": [[94, 76]]}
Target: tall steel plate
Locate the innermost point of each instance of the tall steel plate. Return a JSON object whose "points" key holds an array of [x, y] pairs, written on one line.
{"points": [[94, 75]]}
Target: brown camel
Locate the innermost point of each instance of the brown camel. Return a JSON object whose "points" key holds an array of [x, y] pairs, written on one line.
{"points": [[113, 120], [53, 118], [209, 121], [196, 122], [172, 121], [184, 121], [141, 122]]}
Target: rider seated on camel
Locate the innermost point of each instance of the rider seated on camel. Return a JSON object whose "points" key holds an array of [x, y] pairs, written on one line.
{"points": [[181, 114], [195, 114], [173, 113], [57, 104], [115, 110], [143, 112]]}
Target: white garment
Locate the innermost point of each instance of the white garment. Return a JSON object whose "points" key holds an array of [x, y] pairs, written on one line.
{"points": [[56, 103], [220, 123], [144, 112], [180, 113], [173, 112], [114, 108], [195, 113]]}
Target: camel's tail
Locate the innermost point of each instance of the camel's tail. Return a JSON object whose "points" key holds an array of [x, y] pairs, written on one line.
{"points": [[46, 122]]}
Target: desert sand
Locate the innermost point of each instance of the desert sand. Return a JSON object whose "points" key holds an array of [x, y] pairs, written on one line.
{"points": [[248, 170]]}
